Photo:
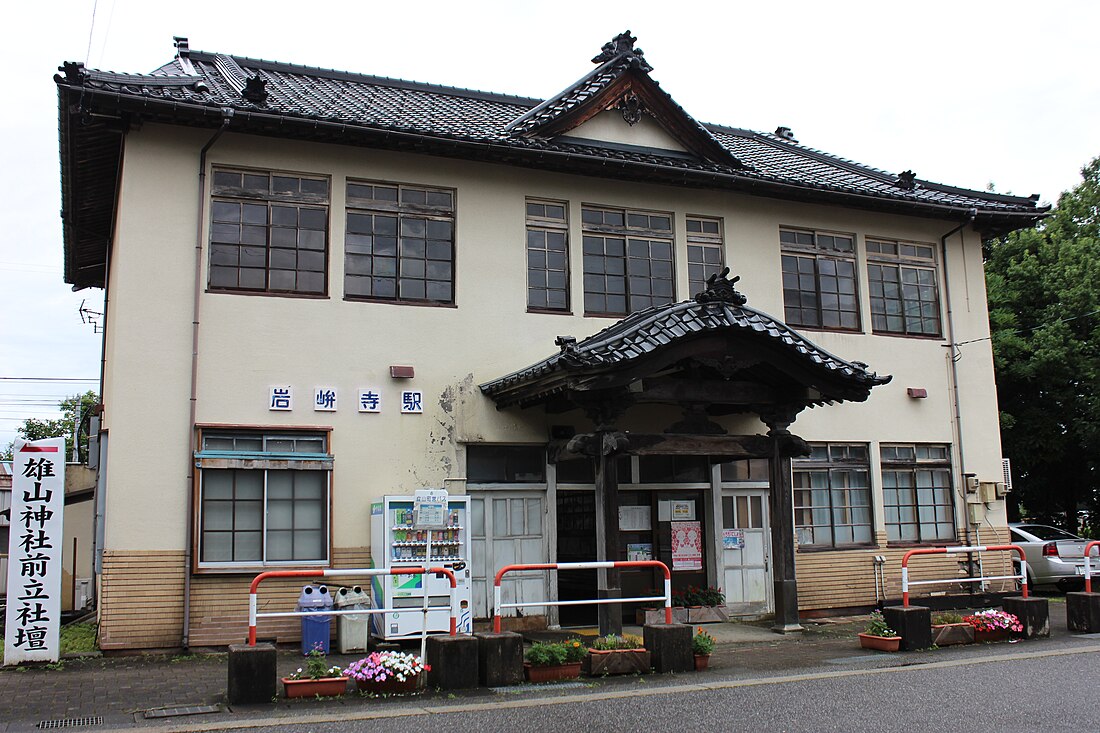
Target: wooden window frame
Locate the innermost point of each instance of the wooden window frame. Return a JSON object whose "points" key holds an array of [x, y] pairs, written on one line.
{"points": [[913, 466], [830, 465], [402, 211], [543, 225], [902, 262], [626, 232], [700, 242], [221, 193], [818, 254]]}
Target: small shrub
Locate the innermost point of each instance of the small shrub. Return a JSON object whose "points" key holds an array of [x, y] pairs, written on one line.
{"points": [[947, 617], [555, 653], [877, 626], [317, 666]]}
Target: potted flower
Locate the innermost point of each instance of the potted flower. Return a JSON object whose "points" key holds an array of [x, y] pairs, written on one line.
{"points": [[318, 678], [949, 628], [702, 646], [388, 672], [708, 605], [993, 625], [547, 661], [879, 635], [614, 654]]}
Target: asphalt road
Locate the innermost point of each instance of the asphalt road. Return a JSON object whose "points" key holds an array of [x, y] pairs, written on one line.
{"points": [[1005, 692]]}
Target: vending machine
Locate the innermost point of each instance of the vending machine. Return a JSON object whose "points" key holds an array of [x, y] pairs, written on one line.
{"points": [[397, 542]]}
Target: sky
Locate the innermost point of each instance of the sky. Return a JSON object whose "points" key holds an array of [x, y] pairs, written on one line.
{"points": [[965, 93]]}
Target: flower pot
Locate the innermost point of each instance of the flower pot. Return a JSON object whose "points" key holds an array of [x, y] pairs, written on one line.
{"points": [[324, 687], [702, 661], [952, 634], [707, 615], [880, 643], [390, 685], [551, 673], [991, 635], [679, 615], [616, 661]]}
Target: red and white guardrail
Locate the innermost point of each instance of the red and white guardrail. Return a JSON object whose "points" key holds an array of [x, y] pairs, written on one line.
{"points": [[342, 573], [498, 605], [1088, 574], [905, 582]]}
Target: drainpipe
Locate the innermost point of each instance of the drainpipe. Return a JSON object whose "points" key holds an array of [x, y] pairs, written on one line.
{"points": [[954, 371], [227, 115]]}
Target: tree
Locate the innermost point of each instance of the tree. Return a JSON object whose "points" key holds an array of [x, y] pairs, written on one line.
{"points": [[1044, 312], [35, 429]]}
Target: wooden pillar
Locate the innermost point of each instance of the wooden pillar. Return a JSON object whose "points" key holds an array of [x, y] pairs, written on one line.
{"points": [[781, 502], [607, 540]]}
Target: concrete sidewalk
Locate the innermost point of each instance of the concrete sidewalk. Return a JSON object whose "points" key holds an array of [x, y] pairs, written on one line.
{"points": [[125, 692]]}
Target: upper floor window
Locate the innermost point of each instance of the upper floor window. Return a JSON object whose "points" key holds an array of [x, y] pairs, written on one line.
{"points": [[399, 244], [704, 248], [916, 492], [819, 279], [904, 296], [627, 260], [488, 464], [832, 496], [269, 232], [547, 256], [263, 498]]}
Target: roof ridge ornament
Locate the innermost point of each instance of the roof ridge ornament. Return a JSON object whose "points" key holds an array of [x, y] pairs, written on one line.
{"points": [[907, 180], [720, 290], [622, 46]]}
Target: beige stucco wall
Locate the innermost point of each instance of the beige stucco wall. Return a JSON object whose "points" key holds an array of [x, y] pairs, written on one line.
{"points": [[248, 343]]}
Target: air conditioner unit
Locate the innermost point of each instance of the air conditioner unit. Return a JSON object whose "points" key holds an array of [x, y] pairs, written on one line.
{"points": [[987, 490], [1006, 469]]}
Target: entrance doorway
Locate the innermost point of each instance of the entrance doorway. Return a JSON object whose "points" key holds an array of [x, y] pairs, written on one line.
{"points": [[746, 553], [577, 543]]}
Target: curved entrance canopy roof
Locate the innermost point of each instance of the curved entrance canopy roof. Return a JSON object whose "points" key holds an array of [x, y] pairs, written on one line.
{"points": [[713, 352]]}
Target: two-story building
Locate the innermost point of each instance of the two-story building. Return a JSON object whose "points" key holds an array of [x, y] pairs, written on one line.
{"points": [[324, 287]]}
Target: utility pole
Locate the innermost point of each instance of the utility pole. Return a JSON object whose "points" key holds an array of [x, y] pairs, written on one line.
{"points": [[76, 430]]}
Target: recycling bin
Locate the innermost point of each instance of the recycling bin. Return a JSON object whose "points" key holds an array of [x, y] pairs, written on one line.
{"points": [[315, 629], [353, 629]]}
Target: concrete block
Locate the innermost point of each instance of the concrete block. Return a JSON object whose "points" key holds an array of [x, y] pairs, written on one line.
{"points": [[1083, 612], [669, 646], [913, 624], [252, 675], [454, 662], [499, 658], [1034, 614]]}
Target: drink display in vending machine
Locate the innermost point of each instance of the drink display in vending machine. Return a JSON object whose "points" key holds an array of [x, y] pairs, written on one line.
{"points": [[397, 541]]}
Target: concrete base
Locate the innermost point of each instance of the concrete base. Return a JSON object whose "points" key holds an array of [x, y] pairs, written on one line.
{"points": [[252, 675], [454, 662], [913, 624], [669, 646], [1083, 612], [499, 659], [1034, 614]]}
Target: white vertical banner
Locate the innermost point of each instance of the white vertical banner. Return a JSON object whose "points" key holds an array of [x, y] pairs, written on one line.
{"points": [[33, 623]]}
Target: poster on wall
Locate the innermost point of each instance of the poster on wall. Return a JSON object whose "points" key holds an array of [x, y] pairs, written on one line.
{"points": [[733, 539], [683, 510], [34, 552], [639, 551], [687, 546], [634, 518]]}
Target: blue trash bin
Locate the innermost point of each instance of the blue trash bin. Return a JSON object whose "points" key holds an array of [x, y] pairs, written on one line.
{"points": [[316, 630]]}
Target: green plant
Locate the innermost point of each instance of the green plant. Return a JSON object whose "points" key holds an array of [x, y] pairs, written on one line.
{"points": [[317, 666], [555, 653], [694, 596], [612, 642], [702, 643], [994, 620], [947, 617], [877, 626]]}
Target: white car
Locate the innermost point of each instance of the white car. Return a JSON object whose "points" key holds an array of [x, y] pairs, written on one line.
{"points": [[1054, 556]]}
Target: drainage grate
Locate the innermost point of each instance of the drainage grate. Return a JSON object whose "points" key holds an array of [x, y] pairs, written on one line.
{"points": [[182, 710], [70, 722]]}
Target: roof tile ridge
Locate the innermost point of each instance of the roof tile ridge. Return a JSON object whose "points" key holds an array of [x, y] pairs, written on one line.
{"points": [[587, 78], [287, 67]]}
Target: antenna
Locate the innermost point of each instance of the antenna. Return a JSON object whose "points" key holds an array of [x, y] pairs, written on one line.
{"points": [[90, 317]]}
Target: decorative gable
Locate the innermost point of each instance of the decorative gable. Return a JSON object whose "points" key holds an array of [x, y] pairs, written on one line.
{"points": [[619, 102]]}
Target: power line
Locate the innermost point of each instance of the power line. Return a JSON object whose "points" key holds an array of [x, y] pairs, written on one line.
{"points": [[1031, 328], [47, 379]]}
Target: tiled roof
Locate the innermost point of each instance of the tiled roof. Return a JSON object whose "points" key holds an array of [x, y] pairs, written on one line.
{"points": [[646, 331], [287, 100]]}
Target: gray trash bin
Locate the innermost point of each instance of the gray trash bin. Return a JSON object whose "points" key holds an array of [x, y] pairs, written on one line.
{"points": [[353, 630]]}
